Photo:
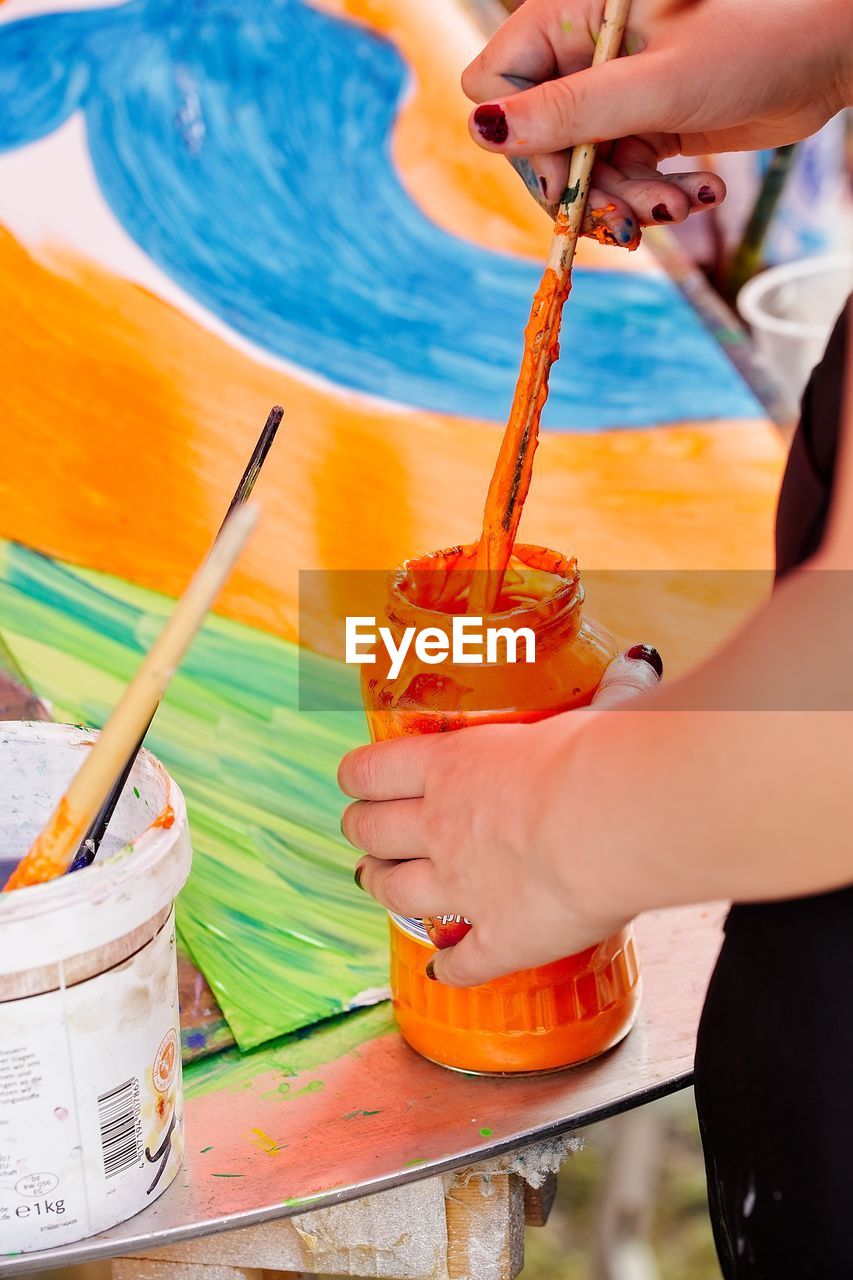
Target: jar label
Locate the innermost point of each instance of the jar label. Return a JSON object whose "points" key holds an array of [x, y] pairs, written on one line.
{"points": [[91, 1104], [437, 931], [412, 926]]}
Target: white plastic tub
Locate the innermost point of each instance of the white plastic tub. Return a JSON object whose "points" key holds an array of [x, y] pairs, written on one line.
{"points": [[91, 1108], [791, 310]]}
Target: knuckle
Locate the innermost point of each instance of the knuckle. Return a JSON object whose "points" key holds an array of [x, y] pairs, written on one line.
{"points": [[471, 79], [559, 107], [458, 969], [366, 827], [436, 825], [362, 771], [394, 891]]}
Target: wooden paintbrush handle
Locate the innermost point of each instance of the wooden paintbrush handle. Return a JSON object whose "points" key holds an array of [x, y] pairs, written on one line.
{"points": [[573, 203], [511, 478], [54, 848]]}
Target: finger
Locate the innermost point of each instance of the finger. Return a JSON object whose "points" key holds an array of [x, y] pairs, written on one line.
{"points": [[406, 888], [636, 159], [537, 184], [651, 198], [610, 220], [468, 964], [386, 829], [388, 770], [545, 176], [552, 175], [527, 48], [704, 189], [639, 670], [609, 101]]}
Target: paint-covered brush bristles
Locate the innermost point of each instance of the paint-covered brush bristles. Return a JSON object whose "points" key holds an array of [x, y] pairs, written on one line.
{"points": [[91, 843]]}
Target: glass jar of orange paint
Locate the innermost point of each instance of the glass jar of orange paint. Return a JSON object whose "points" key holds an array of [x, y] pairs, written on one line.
{"points": [[573, 1009]]}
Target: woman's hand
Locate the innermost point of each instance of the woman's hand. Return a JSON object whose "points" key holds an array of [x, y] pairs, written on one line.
{"points": [[703, 77], [478, 823]]}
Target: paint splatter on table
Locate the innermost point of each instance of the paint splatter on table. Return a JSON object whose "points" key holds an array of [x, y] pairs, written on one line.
{"points": [[348, 1109]]}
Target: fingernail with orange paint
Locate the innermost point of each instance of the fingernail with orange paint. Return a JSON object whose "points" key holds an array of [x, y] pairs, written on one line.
{"points": [[608, 227]]}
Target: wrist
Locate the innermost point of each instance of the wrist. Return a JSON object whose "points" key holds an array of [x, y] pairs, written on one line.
{"points": [[591, 860]]}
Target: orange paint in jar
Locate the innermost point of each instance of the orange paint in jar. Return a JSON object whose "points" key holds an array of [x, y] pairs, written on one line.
{"points": [[572, 1009]]}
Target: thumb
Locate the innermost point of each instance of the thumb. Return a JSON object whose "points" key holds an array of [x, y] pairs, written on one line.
{"points": [[613, 100], [639, 670], [468, 964]]}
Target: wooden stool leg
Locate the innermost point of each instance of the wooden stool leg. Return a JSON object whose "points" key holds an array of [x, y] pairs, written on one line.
{"points": [[475, 1230], [539, 1201], [485, 1227]]}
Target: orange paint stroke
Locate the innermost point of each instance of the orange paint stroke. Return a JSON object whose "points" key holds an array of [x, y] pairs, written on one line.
{"points": [[164, 819], [122, 449], [511, 478]]}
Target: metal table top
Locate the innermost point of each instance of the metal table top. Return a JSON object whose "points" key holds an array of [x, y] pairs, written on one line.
{"points": [[353, 1110]]}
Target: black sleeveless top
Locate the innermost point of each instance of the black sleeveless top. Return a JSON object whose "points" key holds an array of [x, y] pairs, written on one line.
{"points": [[774, 1056], [807, 487]]}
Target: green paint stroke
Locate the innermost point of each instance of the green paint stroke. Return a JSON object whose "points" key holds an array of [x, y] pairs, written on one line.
{"points": [[270, 913], [290, 1056]]}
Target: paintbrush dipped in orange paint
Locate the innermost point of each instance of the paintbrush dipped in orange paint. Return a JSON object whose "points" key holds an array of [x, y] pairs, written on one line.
{"points": [[511, 478], [55, 847]]}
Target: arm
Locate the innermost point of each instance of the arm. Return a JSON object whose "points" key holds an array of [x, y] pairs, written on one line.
{"points": [[761, 797], [549, 836]]}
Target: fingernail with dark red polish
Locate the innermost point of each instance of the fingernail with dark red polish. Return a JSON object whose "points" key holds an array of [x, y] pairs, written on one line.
{"points": [[647, 653], [543, 183], [705, 195], [430, 971], [357, 874], [660, 213], [491, 122]]}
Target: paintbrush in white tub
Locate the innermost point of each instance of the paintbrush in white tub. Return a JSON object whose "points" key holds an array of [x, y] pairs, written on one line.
{"points": [[55, 847]]}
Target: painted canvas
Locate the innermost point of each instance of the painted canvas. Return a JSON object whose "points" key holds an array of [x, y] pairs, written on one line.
{"points": [[210, 206]]}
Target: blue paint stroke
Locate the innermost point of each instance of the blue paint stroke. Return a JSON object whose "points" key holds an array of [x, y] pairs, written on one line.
{"points": [[245, 145]]}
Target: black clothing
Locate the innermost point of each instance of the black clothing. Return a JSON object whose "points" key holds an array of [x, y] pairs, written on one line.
{"points": [[774, 1056]]}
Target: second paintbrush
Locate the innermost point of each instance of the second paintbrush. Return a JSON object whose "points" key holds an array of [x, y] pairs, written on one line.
{"points": [[88, 850]]}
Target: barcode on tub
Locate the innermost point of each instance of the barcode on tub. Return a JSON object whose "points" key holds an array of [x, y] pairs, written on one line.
{"points": [[118, 1112]]}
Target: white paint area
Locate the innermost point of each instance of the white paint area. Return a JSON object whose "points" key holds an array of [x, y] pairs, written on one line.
{"points": [[13, 10]]}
